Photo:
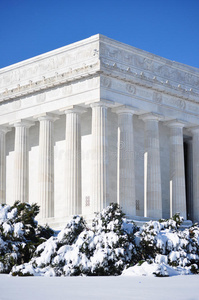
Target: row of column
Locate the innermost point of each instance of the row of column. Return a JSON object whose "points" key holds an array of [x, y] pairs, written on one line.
{"points": [[126, 169], [152, 169], [73, 203]]}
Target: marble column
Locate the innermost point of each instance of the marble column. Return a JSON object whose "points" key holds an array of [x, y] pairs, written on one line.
{"points": [[125, 164], [46, 164], [21, 163], [195, 145], [100, 193], [3, 131], [188, 154], [177, 170], [152, 171], [73, 160]]}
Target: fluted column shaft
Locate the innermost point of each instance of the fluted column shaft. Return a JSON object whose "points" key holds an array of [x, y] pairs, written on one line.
{"points": [[46, 165], [3, 131], [125, 166], [73, 160], [21, 164], [177, 170], [195, 143], [153, 192], [99, 156]]}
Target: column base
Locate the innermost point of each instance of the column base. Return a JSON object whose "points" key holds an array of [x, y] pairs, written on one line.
{"points": [[140, 221], [57, 223], [60, 223]]}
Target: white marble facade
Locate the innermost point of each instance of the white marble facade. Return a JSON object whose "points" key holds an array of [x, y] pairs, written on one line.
{"points": [[96, 122]]}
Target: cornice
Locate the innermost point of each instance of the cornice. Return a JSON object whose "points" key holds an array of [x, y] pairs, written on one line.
{"points": [[52, 53], [50, 82], [111, 59], [150, 70], [144, 80], [112, 71], [130, 50]]}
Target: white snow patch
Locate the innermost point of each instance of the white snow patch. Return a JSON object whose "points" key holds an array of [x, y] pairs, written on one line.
{"points": [[97, 288]]}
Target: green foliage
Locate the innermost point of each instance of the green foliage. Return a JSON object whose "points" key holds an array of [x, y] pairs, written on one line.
{"points": [[109, 219], [179, 220], [194, 269], [73, 230], [20, 234], [140, 262], [27, 274]]}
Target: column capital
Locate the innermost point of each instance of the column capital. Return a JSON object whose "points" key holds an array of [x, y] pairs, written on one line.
{"points": [[47, 116], [101, 103], [22, 123], [125, 109], [194, 129], [151, 116], [4, 129], [73, 109], [175, 123]]}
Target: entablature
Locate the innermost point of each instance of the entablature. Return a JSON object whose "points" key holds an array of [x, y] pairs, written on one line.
{"points": [[95, 68], [116, 55]]}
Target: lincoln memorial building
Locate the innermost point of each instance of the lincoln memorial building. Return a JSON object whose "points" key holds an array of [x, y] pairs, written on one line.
{"points": [[97, 122]]}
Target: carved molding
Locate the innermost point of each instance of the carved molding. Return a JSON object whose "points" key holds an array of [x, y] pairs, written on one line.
{"points": [[156, 65], [157, 97], [135, 68], [149, 82], [105, 81], [175, 102], [45, 83], [130, 88]]}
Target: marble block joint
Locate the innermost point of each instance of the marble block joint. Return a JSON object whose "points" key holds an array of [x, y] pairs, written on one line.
{"points": [[97, 122]]}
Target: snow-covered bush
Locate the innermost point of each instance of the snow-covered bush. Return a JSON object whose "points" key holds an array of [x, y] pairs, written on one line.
{"points": [[112, 245], [104, 249], [150, 236], [162, 242], [19, 234]]}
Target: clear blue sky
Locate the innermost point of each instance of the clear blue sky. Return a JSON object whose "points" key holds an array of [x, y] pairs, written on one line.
{"points": [[168, 28]]}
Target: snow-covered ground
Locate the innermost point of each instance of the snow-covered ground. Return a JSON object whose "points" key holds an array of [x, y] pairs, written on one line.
{"points": [[103, 288]]}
